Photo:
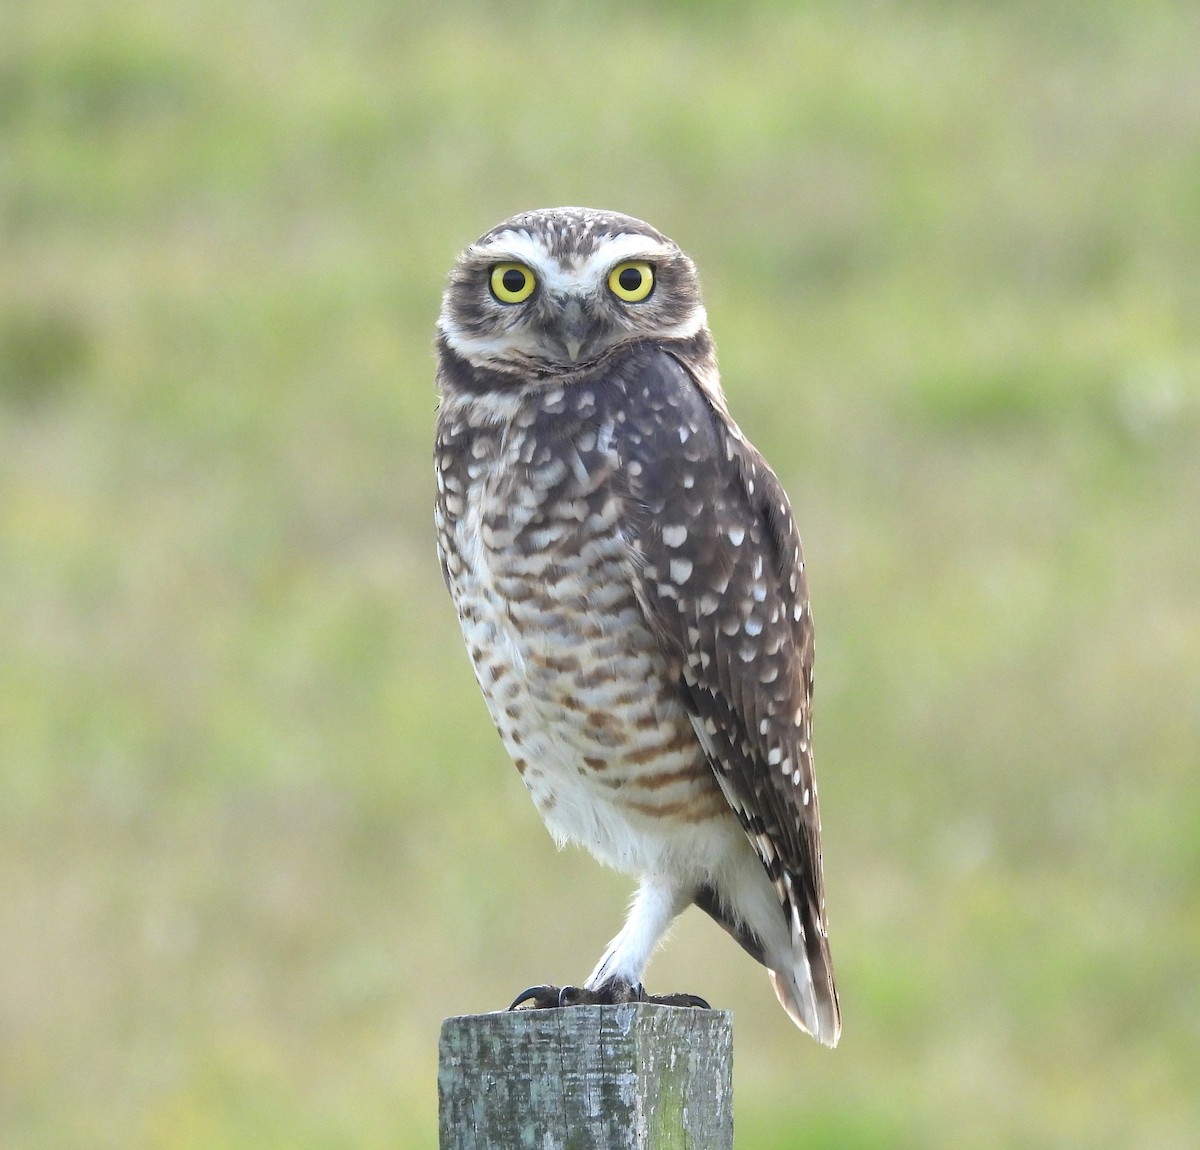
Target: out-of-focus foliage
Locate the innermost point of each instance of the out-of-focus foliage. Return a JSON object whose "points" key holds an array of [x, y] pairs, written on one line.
{"points": [[256, 834]]}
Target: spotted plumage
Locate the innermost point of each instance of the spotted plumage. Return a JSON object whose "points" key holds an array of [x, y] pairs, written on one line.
{"points": [[630, 586]]}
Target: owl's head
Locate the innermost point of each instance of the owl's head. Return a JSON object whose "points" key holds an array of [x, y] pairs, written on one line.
{"points": [[554, 290]]}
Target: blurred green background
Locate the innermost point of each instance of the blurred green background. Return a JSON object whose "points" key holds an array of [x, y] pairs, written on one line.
{"points": [[257, 836]]}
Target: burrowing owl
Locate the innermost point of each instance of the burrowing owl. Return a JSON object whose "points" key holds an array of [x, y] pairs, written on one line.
{"points": [[631, 590]]}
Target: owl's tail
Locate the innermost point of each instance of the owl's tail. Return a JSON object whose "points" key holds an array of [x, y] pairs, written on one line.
{"points": [[803, 981]]}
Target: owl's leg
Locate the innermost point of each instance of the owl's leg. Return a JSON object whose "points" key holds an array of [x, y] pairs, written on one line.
{"points": [[618, 975], [655, 906]]}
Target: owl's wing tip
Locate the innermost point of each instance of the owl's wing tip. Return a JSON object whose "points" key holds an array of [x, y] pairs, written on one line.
{"points": [[815, 1013], [805, 986]]}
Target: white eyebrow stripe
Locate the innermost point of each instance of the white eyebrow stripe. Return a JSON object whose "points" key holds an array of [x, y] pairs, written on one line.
{"points": [[521, 247], [616, 251]]}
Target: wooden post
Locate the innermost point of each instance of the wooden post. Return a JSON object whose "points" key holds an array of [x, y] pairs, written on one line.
{"points": [[630, 1077]]}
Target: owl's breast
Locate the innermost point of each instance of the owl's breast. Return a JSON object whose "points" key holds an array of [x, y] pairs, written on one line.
{"points": [[541, 568]]}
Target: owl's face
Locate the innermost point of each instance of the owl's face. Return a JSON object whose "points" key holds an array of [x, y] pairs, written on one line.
{"points": [[548, 292]]}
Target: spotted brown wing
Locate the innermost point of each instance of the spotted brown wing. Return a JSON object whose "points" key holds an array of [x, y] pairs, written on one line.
{"points": [[722, 583]]}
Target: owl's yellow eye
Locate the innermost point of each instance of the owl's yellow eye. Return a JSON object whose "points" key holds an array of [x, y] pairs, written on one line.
{"points": [[512, 283], [631, 281]]}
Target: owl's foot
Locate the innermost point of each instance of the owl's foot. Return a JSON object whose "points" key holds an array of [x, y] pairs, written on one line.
{"points": [[609, 994], [690, 1000], [540, 998]]}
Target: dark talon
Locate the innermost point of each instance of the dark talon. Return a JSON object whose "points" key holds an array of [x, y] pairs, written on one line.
{"points": [[692, 1000], [543, 997]]}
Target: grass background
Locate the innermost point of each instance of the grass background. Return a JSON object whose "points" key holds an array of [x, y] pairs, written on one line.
{"points": [[256, 834]]}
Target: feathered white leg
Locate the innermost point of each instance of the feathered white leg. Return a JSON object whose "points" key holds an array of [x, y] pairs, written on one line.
{"points": [[618, 975], [655, 906]]}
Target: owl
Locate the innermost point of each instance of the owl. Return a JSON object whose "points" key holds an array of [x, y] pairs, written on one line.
{"points": [[631, 590]]}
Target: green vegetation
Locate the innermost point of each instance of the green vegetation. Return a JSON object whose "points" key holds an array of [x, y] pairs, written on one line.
{"points": [[256, 834]]}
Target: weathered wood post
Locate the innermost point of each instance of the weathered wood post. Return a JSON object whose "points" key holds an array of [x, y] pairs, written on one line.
{"points": [[630, 1077]]}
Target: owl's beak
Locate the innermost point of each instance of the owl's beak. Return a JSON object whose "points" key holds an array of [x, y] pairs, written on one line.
{"points": [[574, 328]]}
